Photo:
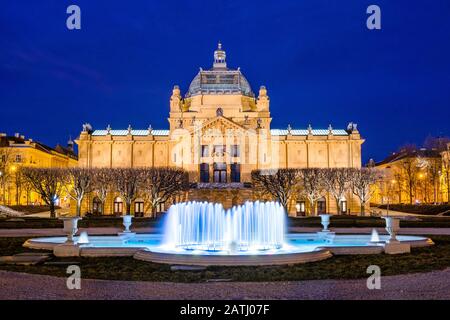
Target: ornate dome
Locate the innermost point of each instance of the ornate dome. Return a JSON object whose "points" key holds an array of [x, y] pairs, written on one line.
{"points": [[220, 79]]}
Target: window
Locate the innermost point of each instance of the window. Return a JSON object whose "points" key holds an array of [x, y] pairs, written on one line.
{"points": [[205, 151], [139, 208], [235, 152], [204, 172], [96, 206], [18, 158], [219, 150], [220, 172], [235, 172], [301, 208], [343, 206], [118, 206], [321, 206]]}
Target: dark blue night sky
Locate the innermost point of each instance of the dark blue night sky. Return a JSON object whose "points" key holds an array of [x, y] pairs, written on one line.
{"points": [[318, 60]]}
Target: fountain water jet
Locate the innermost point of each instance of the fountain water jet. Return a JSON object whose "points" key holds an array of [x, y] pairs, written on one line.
{"points": [[374, 237], [207, 226]]}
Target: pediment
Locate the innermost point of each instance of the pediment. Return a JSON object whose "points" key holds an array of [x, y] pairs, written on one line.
{"points": [[220, 124]]}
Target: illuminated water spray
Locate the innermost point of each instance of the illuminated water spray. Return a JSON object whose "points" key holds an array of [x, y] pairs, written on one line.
{"points": [[207, 226]]}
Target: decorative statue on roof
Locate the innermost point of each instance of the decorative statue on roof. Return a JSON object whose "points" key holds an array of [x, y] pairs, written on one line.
{"points": [[87, 127], [352, 127], [219, 112]]}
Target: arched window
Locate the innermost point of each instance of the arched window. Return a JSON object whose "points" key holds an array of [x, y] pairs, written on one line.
{"points": [[139, 207], [118, 205], [96, 206]]}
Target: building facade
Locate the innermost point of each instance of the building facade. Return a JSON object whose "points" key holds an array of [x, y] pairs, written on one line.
{"points": [[219, 131], [413, 176], [15, 152]]}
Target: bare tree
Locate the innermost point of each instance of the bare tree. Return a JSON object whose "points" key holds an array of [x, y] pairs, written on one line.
{"points": [[409, 170], [312, 185], [101, 184], [126, 182], [361, 181], [337, 183], [433, 170], [77, 183], [162, 183], [277, 183], [47, 182]]}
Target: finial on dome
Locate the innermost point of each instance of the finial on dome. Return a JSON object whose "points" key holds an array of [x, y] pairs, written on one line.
{"points": [[219, 57]]}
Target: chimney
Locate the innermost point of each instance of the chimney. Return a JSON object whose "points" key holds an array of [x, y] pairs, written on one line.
{"points": [[17, 135], [22, 137]]}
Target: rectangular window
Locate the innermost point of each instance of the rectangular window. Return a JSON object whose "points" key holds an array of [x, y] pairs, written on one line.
{"points": [[18, 158], [205, 151], [344, 207], [301, 208], [204, 172], [219, 150], [235, 150], [235, 172]]}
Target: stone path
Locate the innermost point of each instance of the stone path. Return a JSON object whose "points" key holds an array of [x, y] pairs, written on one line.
{"points": [[109, 231], [432, 285]]}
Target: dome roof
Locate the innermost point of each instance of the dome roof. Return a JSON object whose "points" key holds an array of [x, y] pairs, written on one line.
{"points": [[220, 79]]}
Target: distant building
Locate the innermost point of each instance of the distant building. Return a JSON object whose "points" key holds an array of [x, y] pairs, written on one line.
{"points": [[411, 176], [220, 131], [15, 152]]}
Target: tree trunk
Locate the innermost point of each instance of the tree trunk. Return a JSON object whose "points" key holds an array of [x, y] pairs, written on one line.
{"points": [[52, 210], [103, 208], [154, 206], [78, 208], [410, 194], [338, 206], [363, 209], [128, 209]]}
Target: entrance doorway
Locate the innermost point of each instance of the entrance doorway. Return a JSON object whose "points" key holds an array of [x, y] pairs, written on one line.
{"points": [[220, 172]]}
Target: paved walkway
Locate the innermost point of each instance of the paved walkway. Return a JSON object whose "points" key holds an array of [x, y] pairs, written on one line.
{"points": [[109, 231], [432, 285]]}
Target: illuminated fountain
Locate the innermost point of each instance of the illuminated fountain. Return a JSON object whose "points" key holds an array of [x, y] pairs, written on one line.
{"points": [[203, 233], [208, 227]]}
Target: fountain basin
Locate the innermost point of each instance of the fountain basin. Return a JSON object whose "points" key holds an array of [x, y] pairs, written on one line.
{"points": [[300, 248]]}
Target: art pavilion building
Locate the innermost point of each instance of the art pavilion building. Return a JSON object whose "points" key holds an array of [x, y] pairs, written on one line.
{"points": [[219, 131]]}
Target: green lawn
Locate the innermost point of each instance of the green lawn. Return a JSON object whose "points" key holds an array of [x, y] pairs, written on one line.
{"points": [[339, 267]]}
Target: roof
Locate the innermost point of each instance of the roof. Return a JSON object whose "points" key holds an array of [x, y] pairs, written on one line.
{"points": [[133, 132], [21, 142], [304, 132], [220, 79], [403, 154], [273, 132]]}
